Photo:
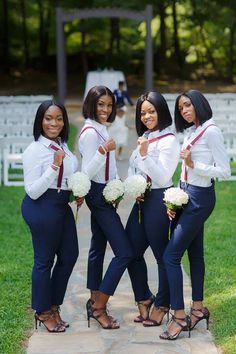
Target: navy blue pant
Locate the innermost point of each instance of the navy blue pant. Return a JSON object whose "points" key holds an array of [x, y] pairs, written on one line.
{"points": [[188, 235], [53, 230], [106, 226], [153, 232]]}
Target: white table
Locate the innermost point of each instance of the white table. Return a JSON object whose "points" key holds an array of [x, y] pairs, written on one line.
{"points": [[109, 78]]}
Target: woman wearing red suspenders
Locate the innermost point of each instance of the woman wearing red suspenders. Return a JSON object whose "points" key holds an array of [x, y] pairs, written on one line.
{"points": [[47, 164], [98, 162], [156, 158], [204, 158]]}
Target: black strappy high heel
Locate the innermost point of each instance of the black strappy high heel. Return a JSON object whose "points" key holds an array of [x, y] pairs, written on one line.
{"points": [[186, 327], [42, 317], [205, 316], [147, 306], [152, 323], [56, 311], [101, 311]]}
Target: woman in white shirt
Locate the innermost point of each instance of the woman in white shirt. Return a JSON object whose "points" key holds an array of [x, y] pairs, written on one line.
{"points": [[156, 158], [47, 164], [204, 158], [98, 162]]}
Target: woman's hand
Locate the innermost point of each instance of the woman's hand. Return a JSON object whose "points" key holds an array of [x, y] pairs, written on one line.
{"points": [[79, 201], [140, 198], [58, 157], [143, 142], [109, 145], [171, 213], [186, 156]]}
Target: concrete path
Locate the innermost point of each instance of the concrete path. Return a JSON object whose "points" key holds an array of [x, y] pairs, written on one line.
{"points": [[131, 338]]}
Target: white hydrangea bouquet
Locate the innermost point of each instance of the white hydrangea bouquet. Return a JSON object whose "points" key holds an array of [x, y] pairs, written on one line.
{"points": [[135, 186], [80, 185], [175, 198], [114, 192]]}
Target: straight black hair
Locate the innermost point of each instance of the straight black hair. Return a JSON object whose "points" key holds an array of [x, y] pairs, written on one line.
{"points": [[38, 128], [201, 105], [91, 100], [163, 112]]}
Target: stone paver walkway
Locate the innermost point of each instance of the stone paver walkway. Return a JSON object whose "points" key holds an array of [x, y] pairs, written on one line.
{"points": [[131, 338]]}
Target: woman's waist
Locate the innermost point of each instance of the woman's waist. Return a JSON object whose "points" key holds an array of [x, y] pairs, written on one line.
{"points": [[55, 195], [189, 186]]}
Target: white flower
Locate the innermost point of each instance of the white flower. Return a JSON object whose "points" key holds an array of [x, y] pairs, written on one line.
{"points": [[175, 198], [135, 185], [79, 183], [114, 191]]}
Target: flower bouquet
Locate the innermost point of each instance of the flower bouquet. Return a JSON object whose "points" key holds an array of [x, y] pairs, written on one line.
{"points": [[80, 185], [114, 192], [175, 198], [135, 186]]}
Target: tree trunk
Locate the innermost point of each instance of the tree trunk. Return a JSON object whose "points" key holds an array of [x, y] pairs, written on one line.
{"points": [[5, 39], [25, 34], [83, 51], [41, 31], [177, 52], [231, 51], [162, 32], [114, 37]]}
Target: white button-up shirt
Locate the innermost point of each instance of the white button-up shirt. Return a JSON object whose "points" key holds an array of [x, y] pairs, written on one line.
{"points": [[208, 155], [38, 173], [161, 161], [93, 162]]}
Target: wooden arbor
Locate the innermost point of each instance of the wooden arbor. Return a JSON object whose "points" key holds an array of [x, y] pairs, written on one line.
{"points": [[66, 16]]}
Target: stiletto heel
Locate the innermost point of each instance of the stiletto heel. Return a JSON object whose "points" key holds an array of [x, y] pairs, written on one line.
{"points": [[147, 306], [36, 322], [205, 315], [101, 311], [42, 317], [183, 327], [88, 308], [207, 323], [152, 323]]}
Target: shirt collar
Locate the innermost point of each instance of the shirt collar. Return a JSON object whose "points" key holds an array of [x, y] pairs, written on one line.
{"points": [[157, 133], [47, 142], [100, 127], [204, 125]]}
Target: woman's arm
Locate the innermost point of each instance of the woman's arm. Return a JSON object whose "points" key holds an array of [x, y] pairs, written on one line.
{"points": [[36, 182], [162, 168], [221, 166]]}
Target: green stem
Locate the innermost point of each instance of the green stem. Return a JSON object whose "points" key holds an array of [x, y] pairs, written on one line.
{"points": [[139, 213]]}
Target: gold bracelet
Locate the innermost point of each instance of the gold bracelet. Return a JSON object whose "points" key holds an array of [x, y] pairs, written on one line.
{"points": [[104, 149], [55, 166]]}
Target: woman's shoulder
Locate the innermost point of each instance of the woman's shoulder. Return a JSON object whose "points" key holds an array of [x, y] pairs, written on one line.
{"points": [[33, 148], [212, 130], [168, 134], [87, 131]]}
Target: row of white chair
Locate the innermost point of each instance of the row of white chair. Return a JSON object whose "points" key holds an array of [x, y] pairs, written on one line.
{"points": [[11, 151], [17, 114], [24, 98]]}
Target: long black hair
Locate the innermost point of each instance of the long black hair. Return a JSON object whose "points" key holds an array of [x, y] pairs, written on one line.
{"points": [[91, 100], [38, 128], [163, 112], [201, 106]]}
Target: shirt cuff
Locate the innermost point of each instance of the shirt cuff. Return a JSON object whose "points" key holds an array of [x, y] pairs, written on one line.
{"points": [[100, 157]]}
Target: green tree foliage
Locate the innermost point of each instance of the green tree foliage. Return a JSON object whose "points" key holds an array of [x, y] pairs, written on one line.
{"points": [[194, 38]]}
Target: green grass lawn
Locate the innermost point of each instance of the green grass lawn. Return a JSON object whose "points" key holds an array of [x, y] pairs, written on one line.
{"points": [[16, 258]]}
